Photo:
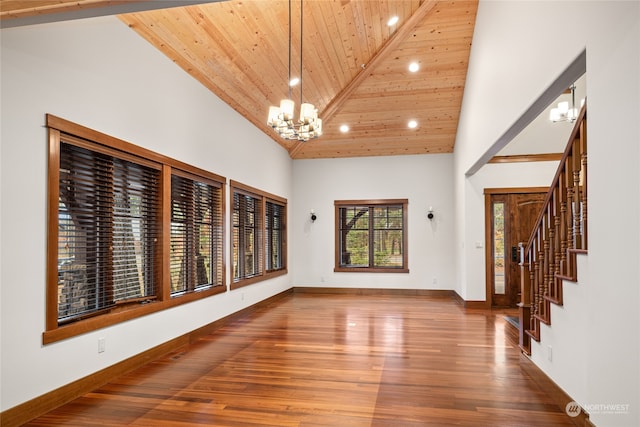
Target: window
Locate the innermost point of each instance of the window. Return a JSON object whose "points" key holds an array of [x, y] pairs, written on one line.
{"points": [[107, 229], [196, 235], [499, 253], [274, 244], [371, 236], [258, 243], [247, 226], [131, 232]]}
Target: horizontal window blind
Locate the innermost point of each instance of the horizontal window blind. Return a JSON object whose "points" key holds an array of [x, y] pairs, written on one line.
{"points": [[196, 235], [275, 232], [247, 230], [108, 229]]}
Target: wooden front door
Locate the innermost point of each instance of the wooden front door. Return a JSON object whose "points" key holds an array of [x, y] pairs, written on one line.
{"points": [[511, 215]]}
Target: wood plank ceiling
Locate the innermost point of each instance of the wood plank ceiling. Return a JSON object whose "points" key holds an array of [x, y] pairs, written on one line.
{"points": [[354, 66]]}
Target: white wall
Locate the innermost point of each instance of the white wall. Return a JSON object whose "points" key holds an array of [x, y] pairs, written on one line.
{"points": [[424, 180], [101, 74], [516, 55], [564, 344]]}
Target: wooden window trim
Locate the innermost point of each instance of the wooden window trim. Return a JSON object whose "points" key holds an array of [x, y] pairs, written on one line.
{"points": [[372, 202], [106, 144], [263, 196], [515, 190], [527, 158]]}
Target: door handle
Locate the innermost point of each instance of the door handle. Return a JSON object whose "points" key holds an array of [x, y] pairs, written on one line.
{"points": [[514, 253]]}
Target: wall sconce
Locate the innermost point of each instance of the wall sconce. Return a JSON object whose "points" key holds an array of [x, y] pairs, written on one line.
{"points": [[430, 213], [313, 216]]}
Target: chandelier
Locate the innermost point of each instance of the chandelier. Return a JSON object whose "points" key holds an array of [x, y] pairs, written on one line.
{"points": [[281, 119], [563, 113]]}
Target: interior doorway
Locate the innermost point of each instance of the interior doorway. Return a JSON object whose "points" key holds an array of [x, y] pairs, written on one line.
{"points": [[510, 214]]}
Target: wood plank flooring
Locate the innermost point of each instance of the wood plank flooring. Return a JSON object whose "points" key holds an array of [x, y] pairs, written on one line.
{"points": [[332, 360]]}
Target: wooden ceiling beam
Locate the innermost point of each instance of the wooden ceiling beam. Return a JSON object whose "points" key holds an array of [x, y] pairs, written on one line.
{"points": [[398, 37], [17, 13]]}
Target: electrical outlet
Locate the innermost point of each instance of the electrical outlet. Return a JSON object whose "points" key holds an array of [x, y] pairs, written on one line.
{"points": [[242, 296], [435, 281], [549, 353], [102, 345]]}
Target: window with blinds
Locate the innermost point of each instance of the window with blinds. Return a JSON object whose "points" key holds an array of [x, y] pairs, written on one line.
{"points": [[258, 240], [131, 232], [274, 235], [108, 226], [247, 230], [196, 235], [371, 236]]}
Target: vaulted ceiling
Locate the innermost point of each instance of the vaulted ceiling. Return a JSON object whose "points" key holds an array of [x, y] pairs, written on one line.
{"points": [[354, 65]]}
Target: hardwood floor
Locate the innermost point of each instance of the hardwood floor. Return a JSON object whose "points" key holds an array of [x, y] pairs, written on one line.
{"points": [[332, 360]]}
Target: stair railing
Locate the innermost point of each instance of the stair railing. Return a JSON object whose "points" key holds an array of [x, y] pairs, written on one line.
{"points": [[560, 233]]}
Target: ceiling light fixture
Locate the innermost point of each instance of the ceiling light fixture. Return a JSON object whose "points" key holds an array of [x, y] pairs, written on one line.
{"points": [[393, 21], [414, 66], [308, 125], [412, 124], [344, 128], [562, 113]]}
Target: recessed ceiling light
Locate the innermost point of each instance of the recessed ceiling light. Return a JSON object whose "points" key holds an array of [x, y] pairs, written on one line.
{"points": [[344, 128], [412, 124], [414, 66], [393, 20], [294, 81]]}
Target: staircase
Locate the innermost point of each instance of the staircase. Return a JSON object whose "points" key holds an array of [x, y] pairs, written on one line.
{"points": [[559, 234]]}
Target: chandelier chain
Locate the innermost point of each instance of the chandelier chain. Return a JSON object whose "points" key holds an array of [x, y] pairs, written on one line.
{"points": [[289, 80], [281, 119], [301, 19]]}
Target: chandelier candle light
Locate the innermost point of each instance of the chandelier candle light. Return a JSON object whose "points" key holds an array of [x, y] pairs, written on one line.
{"points": [[308, 125], [563, 113]]}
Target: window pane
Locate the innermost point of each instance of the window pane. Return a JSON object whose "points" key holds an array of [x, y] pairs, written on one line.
{"points": [[388, 248], [203, 261], [274, 237], [179, 247], [127, 249], [354, 231], [498, 248], [195, 206], [177, 256], [247, 255], [108, 229], [203, 233], [356, 250], [388, 236]]}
